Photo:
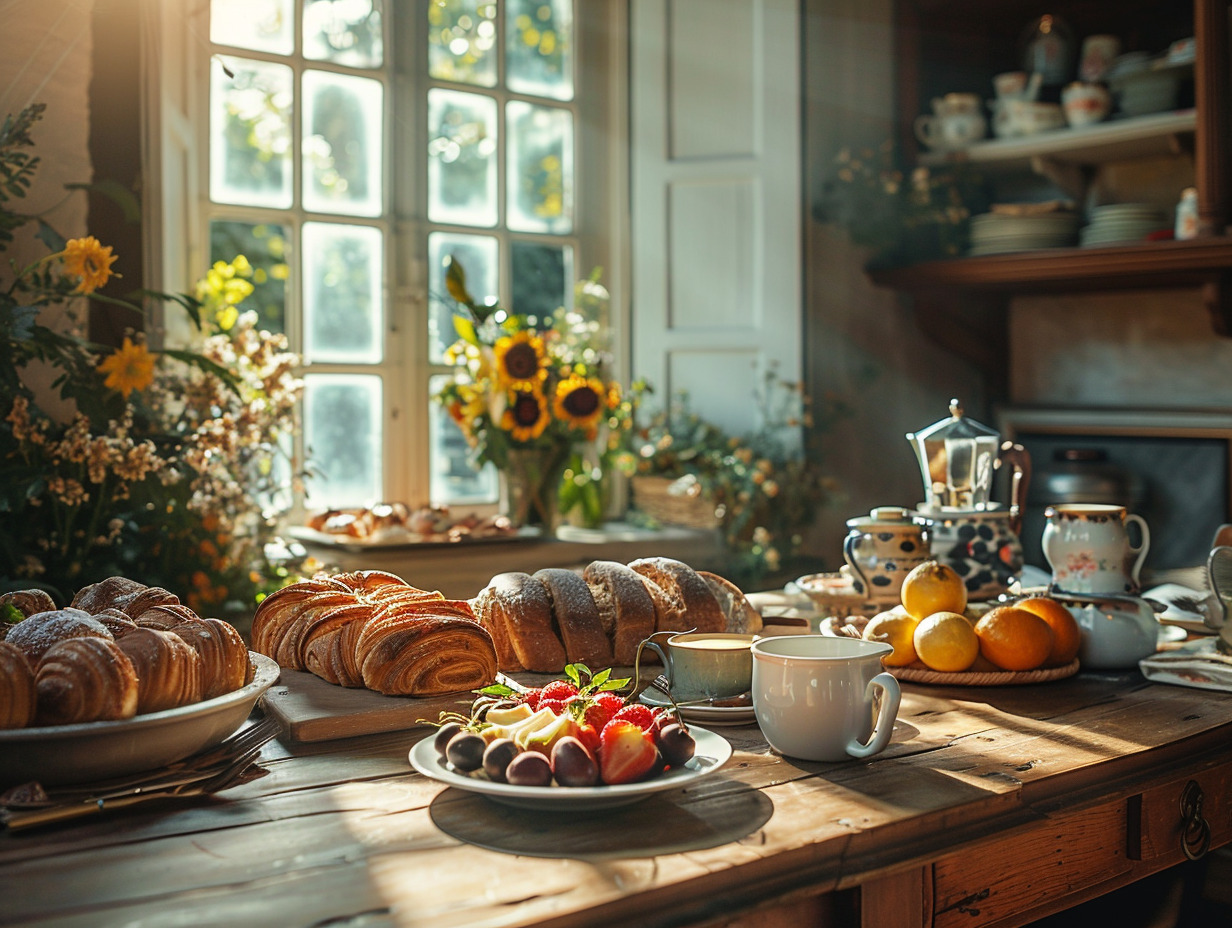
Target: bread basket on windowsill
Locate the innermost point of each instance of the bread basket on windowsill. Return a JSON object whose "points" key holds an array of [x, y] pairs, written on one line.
{"points": [[674, 501]]}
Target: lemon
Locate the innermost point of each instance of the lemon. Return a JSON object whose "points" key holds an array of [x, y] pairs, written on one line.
{"points": [[933, 587], [895, 629], [946, 641]]}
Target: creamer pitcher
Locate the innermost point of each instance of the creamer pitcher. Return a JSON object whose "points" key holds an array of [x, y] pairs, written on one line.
{"points": [[1089, 549]]}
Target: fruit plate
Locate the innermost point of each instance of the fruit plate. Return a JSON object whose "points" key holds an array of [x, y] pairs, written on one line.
{"points": [[918, 673], [90, 751], [712, 752]]}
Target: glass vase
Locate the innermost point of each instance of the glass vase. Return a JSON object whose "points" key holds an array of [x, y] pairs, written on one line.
{"points": [[530, 487]]}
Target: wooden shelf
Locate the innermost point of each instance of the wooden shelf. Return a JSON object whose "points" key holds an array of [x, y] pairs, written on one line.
{"points": [[1118, 140]]}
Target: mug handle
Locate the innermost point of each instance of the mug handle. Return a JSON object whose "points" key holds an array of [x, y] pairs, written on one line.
{"points": [[654, 646], [1142, 548], [924, 128], [883, 728], [849, 555]]}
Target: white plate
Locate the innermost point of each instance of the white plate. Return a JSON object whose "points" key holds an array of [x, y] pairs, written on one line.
{"points": [[60, 754], [712, 753], [705, 715]]}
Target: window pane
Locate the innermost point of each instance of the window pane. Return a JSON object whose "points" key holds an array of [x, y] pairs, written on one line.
{"points": [[342, 432], [342, 144], [345, 31], [539, 40], [343, 274], [461, 158], [265, 247], [250, 133], [480, 259], [540, 197], [263, 25], [540, 277], [453, 479], [462, 41]]}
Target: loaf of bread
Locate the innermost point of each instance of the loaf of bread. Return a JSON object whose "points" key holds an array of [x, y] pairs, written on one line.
{"points": [[17, 692], [141, 651], [599, 618], [373, 629], [168, 670], [85, 680]]}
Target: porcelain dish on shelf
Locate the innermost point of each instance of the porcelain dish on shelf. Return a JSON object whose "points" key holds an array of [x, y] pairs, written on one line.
{"points": [[712, 752]]}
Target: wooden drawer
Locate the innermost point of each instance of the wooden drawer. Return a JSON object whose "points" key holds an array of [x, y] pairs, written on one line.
{"points": [[1156, 822]]}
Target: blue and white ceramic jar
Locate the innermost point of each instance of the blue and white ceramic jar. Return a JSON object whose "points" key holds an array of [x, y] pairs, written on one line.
{"points": [[881, 549], [980, 545]]}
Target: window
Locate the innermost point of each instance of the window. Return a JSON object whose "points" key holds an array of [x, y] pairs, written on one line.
{"points": [[355, 146]]}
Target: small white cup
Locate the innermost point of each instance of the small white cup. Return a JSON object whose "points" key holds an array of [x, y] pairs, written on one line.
{"points": [[813, 696], [1086, 104], [705, 665]]}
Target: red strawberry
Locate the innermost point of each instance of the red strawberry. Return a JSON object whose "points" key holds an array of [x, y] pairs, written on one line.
{"points": [[558, 706], [641, 716], [559, 689], [609, 704], [626, 753], [532, 697], [589, 735]]}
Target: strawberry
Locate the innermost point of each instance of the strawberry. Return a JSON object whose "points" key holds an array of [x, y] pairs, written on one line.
{"points": [[532, 697], [559, 706], [589, 735], [641, 716], [607, 705], [559, 689], [626, 753]]}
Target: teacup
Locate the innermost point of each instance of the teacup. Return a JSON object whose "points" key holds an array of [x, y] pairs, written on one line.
{"points": [[1088, 547], [704, 665], [815, 696], [1085, 103]]}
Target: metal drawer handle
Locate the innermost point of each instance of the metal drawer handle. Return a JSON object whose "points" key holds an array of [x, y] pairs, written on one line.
{"points": [[1196, 831]]}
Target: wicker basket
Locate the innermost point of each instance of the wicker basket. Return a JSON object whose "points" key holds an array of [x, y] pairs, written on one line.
{"points": [[674, 501]]}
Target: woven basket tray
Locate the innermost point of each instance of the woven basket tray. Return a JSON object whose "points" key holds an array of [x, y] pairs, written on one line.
{"points": [[655, 497]]}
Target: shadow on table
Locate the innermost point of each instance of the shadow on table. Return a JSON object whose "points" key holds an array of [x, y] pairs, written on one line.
{"points": [[664, 823]]}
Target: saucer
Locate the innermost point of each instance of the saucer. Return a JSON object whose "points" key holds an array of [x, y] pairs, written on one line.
{"points": [[703, 715]]}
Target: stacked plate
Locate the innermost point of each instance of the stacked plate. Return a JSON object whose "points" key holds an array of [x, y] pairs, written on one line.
{"points": [[999, 232], [1121, 222]]}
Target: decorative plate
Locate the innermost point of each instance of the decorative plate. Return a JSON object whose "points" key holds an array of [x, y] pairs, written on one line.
{"points": [[61, 754], [711, 754]]}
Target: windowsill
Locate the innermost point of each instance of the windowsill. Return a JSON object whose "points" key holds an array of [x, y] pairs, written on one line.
{"points": [[461, 571]]}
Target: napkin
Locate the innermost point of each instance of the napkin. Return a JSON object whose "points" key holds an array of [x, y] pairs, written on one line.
{"points": [[1196, 663]]}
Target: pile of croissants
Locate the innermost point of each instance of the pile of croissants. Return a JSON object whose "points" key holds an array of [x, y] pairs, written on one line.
{"points": [[119, 649]]}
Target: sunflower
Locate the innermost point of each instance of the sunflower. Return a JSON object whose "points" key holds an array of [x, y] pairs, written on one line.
{"points": [[520, 360], [527, 414], [88, 259], [129, 368], [580, 401]]}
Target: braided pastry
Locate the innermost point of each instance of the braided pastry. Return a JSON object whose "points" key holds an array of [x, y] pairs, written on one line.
{"points": [[168, 670], [17, 692], [85, 680]]}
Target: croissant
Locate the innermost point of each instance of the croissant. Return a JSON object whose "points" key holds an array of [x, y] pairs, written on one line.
{"points": [[39, 632], [17, 691], [168, 669], [26, 602], [128, 596], [116, 622], [224, 656], [427, 649], [85, 680]]}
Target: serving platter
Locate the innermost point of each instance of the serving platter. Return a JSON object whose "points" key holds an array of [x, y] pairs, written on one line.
{"points": [[712, 752], [62, 754], [919, 673]]}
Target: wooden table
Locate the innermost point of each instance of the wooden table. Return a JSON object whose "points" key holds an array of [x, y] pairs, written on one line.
{"points": [[991, 807]]}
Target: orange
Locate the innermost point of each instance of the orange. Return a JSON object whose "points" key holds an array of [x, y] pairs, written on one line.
{"points": [[946, 641], [1066, 635], [895, 629], [933, 587], [1014, 639]]}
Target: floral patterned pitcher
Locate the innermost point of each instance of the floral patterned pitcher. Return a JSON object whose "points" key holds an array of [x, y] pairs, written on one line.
{"points": [[1089, 550]]}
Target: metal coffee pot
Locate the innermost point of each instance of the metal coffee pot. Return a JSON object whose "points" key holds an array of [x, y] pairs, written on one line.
{"points": [[978, 538]]}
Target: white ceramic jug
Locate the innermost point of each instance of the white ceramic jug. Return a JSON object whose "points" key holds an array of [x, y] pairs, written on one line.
{"points": [[1088, 547]]}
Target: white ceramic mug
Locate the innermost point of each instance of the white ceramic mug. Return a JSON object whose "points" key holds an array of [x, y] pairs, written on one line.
{"points": [[705, 665], [1088, 547], [813, 696]]}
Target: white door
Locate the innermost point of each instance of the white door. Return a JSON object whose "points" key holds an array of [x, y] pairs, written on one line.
{"points": [[716, 200]]}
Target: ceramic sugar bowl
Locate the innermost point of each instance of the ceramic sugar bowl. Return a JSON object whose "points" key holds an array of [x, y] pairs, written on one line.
{"points": [[1117, 632], [881, 549]]}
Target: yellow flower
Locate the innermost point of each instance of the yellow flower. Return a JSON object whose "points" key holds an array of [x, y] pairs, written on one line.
{"points": [[129, 368], [88, 259], [526, 415], [579, 401], [520, 360]]}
